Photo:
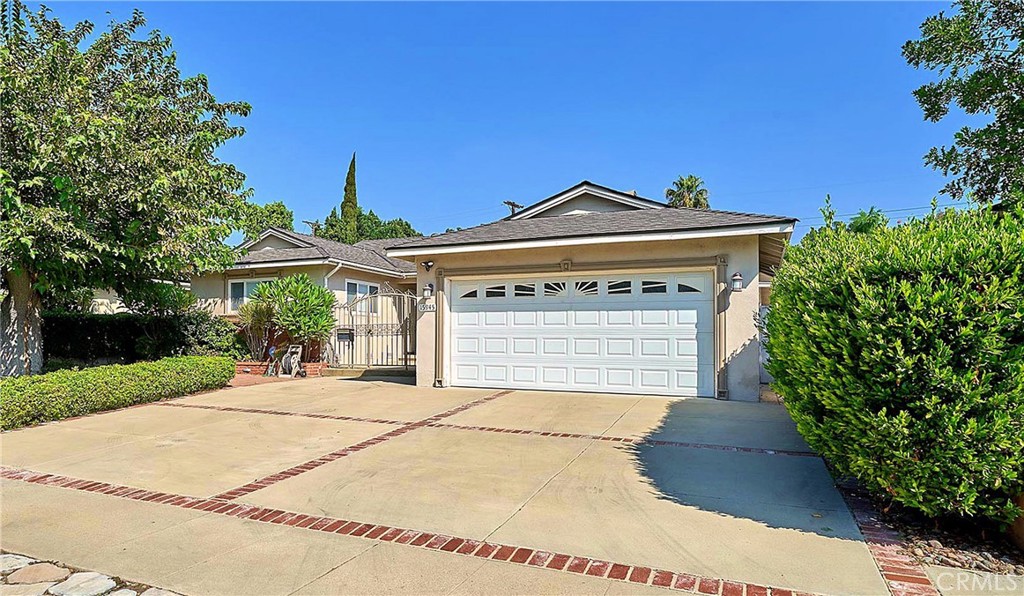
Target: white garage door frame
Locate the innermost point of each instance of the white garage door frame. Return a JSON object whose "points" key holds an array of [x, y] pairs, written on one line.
{"points": [[706, 277]]}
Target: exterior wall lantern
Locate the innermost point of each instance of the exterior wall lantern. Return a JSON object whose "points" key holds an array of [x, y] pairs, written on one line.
{"points": [[428, 290], [737, 282]]}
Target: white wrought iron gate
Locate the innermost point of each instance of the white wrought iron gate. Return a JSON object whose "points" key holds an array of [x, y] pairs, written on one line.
{"points": [[375, 331]]}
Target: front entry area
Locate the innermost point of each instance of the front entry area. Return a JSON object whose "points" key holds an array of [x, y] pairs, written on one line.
{"points": [[650, 333]]}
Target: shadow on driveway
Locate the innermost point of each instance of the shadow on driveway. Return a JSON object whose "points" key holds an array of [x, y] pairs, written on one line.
{"points": [[778, 490]]}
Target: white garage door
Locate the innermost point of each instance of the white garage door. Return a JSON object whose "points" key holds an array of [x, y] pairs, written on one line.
{"points": [[650, 333]]}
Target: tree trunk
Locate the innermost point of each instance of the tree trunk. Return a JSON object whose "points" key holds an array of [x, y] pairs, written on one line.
{"points": [[1017, 529], [21, 349]]}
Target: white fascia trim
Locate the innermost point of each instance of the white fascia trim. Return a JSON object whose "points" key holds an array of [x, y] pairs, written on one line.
{"points": [[337, 262], [274, 233], [273, 264], [587, 189], [780, 228]]}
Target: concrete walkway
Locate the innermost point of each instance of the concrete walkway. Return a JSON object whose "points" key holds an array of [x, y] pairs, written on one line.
{"points": [[646, 493]]}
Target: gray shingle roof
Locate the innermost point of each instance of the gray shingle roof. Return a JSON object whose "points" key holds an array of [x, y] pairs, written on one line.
{"points": [[640, 221], [368, 253]]}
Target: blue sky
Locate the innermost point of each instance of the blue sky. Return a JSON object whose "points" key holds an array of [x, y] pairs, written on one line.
{"points": [[456, 107]]}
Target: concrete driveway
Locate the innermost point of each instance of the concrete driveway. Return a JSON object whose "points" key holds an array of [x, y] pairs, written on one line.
{"points": [[341, 486]]}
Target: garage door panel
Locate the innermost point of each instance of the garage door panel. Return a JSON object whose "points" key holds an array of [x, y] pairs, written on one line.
{"points": [[653, 335]]}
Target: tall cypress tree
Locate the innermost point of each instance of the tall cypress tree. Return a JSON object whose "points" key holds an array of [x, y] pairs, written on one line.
{"points": [[350, 206]]}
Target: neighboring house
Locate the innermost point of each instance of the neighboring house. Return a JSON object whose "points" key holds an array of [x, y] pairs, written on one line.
{"points": [[594, 289]]}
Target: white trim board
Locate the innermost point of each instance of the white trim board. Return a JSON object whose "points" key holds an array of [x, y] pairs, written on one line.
{"points": [[344, 264], [780, 228]]}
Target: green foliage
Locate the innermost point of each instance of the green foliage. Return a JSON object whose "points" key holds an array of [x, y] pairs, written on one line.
{"points": [[979, 55], [350, 207], [354, 225], [301, 308], [67, 393], [372, 227], [158, 299], [257, 218], [127, 337], [689, 192], [900, 354], [257, 319], [868, 221], [109, 175]]}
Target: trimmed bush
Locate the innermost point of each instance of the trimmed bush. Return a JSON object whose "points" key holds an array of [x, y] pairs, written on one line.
{"points": [[66, 393], [129, 337], [900, 354]]}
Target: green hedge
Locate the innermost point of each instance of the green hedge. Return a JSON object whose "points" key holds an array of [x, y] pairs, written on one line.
{"points": [[128, 337], [900, 354], [66, 393]]}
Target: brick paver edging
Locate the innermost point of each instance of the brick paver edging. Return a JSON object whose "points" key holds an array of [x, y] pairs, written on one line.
{"points": [[629, 440], [451, 544], [903, 575], [280, 413], [514, 431], [336, 455]]}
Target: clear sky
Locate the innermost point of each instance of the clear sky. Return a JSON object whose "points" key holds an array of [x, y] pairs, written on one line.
{"points": [[456, 107]]}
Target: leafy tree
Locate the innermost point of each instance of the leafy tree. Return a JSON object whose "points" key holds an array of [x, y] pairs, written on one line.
{"points": [[332, 228], [688, 191], [350, 207], [979, 57], [257, 218], [868, 221], [108, 176], [372, 227]]}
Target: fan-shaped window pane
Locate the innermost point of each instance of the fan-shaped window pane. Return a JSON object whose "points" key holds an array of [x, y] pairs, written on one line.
{"points": [[495, 291], [652, 286], [554, 288], [525, 290], [624, 286], [470, 294], [586, 288], [685, 289]]}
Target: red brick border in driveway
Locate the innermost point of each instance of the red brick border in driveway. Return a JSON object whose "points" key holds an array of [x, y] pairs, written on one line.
{"points": [[514, 431], [440, 542], [335, 455], [903, 575]]}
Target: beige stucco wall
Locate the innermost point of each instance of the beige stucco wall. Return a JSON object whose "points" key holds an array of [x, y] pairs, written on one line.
{"points": [[212, 288], [740, 335], [272, 242], [587, 203]]}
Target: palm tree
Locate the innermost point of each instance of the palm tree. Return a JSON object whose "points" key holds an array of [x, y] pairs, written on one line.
{"points": [[688, 191]]}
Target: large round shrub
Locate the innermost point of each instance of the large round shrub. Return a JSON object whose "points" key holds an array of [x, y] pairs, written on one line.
{"points": [[900, 354]]}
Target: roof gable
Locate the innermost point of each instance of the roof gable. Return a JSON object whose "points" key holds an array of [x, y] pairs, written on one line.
{"points": [[274, 238], [586, 197], [289, 246]]}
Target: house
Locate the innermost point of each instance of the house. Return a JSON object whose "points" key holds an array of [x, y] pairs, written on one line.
{"points": [[594, 289], [352, 272]]}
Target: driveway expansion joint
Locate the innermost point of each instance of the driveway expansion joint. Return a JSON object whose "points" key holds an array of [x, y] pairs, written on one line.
{"points": [[336, 455], [517, 555]]}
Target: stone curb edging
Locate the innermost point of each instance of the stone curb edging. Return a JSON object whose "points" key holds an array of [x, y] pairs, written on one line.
{"points": [[902, 574], [459, 546]]}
